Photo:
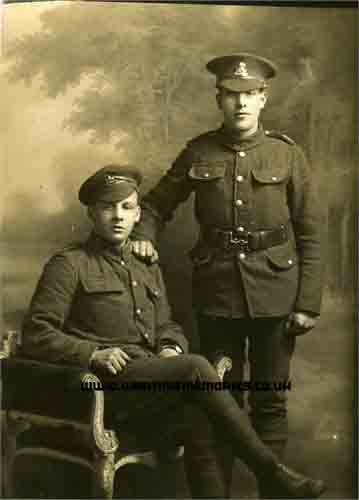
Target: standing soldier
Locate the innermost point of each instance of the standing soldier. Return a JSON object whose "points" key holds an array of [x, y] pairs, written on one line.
{"points": [[98, 307], [256, 265]]}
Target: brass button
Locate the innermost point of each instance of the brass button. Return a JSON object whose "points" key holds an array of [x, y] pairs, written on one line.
{"points": [[138, 312], [241, 229], [242, 256], [134, 283], [156, 293], [274, 178], [146, 335], [290, 262], [239, 203], [239, 178], [206, 174], [242, 154], [122, 262]]}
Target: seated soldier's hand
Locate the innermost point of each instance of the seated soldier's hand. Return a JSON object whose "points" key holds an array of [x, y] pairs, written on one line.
{"points": [[111, 360], [145, 250], [299, 323], [168, 352]]}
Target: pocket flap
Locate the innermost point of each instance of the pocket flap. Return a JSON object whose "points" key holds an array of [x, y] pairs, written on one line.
{"points": [[101, 285], [153, 291], [271, 176], [282, 256], [207, 171]]}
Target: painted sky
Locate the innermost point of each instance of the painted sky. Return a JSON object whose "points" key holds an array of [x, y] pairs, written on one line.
{"points": [[32, 127]]}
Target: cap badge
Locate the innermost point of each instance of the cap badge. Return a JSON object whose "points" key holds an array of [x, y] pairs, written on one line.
{"points": [[115, 179], [241, 70]]}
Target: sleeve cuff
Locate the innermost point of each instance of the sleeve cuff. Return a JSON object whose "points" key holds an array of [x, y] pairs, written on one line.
{"points": [[175, 347]]}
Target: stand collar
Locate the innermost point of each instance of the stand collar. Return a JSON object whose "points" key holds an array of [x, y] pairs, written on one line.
{"points": [[241, 144], [103, 247]]}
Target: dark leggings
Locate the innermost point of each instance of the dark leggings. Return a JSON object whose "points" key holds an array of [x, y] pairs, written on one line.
{"points": [[220, 406]]}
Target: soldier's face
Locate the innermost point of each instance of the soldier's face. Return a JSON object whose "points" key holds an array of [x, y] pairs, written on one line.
{"points": [[241, 110], [114, 221]]}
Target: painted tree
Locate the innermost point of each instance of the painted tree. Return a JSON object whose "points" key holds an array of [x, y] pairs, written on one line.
{"points": [[139, 74]]}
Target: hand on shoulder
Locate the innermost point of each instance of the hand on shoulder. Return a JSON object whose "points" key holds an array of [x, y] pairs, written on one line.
{"points": [[145, 250]]}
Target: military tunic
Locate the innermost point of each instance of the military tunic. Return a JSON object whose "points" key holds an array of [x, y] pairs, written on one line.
{"points": [[88, 298], [249, 186], [248, 189]]}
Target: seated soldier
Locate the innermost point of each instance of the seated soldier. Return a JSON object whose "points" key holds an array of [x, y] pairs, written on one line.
{"points": [[98, 306]]}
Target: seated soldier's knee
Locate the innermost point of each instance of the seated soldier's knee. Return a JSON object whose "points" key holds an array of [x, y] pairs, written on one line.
{"points": [[202, 367]]}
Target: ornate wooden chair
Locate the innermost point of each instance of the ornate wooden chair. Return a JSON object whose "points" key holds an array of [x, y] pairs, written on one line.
{"points": [[45, 397]]}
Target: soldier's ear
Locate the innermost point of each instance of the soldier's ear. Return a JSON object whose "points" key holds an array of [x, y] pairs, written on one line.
{"points": [[90, 212], [218, 99], [138, 216], [264, 97]]}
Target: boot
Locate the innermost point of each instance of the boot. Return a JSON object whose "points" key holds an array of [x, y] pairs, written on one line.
{"points": [[265, 487], [286, 483], [230, 421]]}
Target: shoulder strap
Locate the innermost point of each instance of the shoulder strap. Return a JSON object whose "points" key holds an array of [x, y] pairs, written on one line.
{"points": [[209, 133], [278, 135], [69, 247]]}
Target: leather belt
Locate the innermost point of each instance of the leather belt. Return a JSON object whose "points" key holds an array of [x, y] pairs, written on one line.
{"points": [[245, 241]]}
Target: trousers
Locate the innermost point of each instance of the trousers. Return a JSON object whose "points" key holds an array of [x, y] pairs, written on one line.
{"points": [[269, 353], [230, 422]]}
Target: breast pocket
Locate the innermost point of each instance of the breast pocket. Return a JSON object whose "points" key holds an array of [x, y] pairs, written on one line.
{"points": [[101, 306], [100, 286], [207, 172], [270, 199], [270, 177], [208, 181], [153, 292]]}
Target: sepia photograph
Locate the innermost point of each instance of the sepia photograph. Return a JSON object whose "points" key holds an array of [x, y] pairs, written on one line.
{"points": [[178, 246]]}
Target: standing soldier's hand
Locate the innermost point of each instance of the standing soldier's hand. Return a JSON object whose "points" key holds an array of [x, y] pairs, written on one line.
{"points": [[145, 250], [299, 323]]}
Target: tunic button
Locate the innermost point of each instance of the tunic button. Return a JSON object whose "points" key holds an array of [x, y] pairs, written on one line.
{"points": [[206, 174], [239, 203], [242, 154], [146, 335], [122, 262], [138, 312], [240, 178], [274, 178], [290, 262], [242, 256], [241, 229], [134, 283]]}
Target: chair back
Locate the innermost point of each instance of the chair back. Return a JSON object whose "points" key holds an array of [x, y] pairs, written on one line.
{"points": [[10, 344]]}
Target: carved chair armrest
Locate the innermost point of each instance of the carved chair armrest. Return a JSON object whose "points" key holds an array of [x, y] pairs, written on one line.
{"points": [[222, 364], [53, 392], [104, 441]]}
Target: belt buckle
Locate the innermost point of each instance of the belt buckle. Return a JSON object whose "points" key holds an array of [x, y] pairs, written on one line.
{"points": [[234, 239]]}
